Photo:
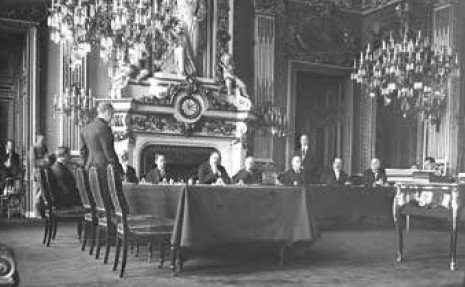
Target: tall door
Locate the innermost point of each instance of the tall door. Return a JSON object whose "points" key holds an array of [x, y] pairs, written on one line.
{"points": [[320, 113], [10, 71], [396, 137]]}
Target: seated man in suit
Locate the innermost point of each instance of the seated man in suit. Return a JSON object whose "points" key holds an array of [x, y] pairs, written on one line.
{"points": [[159, 174], [336, 176], [429, 163], [249, 174], [295, 175], [10, 166], [212, 172], [64, 188], [375, 176], [129, 173]]}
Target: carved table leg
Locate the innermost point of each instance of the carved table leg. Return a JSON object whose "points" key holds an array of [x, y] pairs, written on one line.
{"points": [[400, 240], [453, 230], [398, 221], [174, 250], [282, 254]]}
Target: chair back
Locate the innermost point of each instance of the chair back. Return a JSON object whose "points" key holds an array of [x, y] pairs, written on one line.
{"points": [[96, 188], [83, 188], [116, 193], [44, 184]]}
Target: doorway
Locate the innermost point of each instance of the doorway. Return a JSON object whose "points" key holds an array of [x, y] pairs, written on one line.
{"points": [[396, 136], [320, 113], [11, 47]]}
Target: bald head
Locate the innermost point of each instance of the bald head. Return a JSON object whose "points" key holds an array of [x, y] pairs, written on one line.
{"points": [[375, 164], [105, 111], [249, 163]]}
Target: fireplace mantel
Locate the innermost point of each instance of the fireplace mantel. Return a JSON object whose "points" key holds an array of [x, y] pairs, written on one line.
{"points": [[146, 116]]}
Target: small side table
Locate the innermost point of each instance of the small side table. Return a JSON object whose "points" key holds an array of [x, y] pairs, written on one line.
{"points": [[433, 200]]}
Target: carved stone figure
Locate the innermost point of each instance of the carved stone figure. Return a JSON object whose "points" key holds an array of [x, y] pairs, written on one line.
{"points": [[237, 89], [191, 13], [119, 80]]}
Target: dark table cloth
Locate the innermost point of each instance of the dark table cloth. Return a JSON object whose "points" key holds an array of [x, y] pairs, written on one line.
{"points": [[350, 204], [219, 215]]}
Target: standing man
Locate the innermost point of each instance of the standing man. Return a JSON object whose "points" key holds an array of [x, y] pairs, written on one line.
{"points": [[97, 144], [308, 163]]}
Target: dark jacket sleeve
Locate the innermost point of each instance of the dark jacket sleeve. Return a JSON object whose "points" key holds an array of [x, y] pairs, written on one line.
{"points": [[83, 149], [205, 175], [224, 175], [107, 142]]}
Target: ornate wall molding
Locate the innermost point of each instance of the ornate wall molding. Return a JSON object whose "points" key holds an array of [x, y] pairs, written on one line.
{"points": [[319, 34], [34, 12], [270, 7]]}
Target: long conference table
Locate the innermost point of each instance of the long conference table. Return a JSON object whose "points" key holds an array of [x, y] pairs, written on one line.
{"points": [[209, 216]]}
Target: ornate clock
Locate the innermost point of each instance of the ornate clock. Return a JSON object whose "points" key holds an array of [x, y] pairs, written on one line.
{"points": [[188, 108]]}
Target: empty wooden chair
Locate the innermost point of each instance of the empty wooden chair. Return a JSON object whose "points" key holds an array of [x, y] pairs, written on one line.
{"points": [[54, 213], [139, 229], [88, 203], [104, 210]]}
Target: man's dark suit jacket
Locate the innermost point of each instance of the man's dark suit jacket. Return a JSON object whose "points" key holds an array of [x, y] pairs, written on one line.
{"points": [[97, 145], [63, 185], [330, 177], [206, 176], [369, 177], [310, 169], [14, 169], [248, 177], [290, 176], [130, 175], [154, 176]]}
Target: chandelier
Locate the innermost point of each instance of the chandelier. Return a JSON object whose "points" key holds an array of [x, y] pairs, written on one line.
{"points": [[271, 120], [124, 30], [76, 104], [411, 73]]}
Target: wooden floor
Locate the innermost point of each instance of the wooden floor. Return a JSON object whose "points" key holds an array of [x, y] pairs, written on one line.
{"points": [[340, 258]]}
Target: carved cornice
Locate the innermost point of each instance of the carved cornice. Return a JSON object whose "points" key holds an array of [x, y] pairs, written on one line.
{"points": [[319, 34], [34, 12], [352, 6], [271, 7]]}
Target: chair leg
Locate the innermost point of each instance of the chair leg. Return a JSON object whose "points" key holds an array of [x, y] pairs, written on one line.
{"points": [[45, 230], [150, 255], [79, 229], [97, 241], [51, 223], [137, 250], [173, 259], [117, 250], [125, 255], [108, 244], [55, 225], [162, 253], [92, 231], [86, 234]]}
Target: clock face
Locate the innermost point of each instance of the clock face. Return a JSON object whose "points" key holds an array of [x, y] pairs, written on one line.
{"points": [[190, 107]]}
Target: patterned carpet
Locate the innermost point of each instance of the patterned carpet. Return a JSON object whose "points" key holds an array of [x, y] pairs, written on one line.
{"points": [[340, 258]]}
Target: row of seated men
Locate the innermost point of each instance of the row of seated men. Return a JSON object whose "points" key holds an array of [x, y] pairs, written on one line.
{"points": [[212, 172], [10, 165], [62, 182]]}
